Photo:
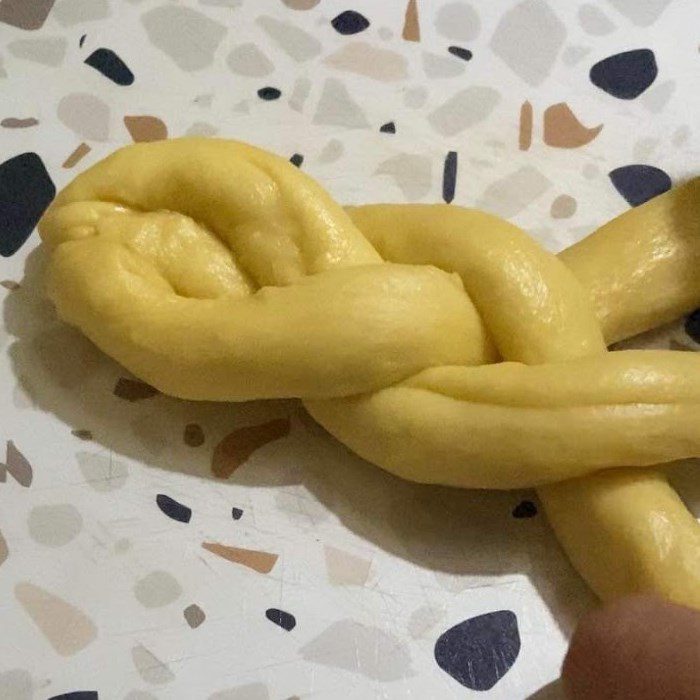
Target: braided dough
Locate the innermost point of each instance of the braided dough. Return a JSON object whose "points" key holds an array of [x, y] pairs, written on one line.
{"points": [[441, 343]]}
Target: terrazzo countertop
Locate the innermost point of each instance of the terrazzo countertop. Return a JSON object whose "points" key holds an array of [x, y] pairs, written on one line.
{"points": [[155, 548]]}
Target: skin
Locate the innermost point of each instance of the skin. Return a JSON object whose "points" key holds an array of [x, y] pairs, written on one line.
{"points": [[642, 647]]}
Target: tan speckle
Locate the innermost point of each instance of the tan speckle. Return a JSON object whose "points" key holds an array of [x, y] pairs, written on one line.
{"points": [[146, 128], [193, 435], [562, 129], [364, 59], [525, 134], [262, 562], [18, 123], [411, 26], [76, 156], [68, 629]]}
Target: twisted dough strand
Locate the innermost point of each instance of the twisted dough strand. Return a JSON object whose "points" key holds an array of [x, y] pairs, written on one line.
{"points": [[214, 270]]}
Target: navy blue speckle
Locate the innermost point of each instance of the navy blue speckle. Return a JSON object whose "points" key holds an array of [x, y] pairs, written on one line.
{"points": [[625, 75], [297, 159], [111, 66], [525, 509], [388, 128], [639, 183], [26, 189], [449, 177], [236, 513], [281, 618], [692, 325], [464, 54], [77, 695], [478, 652], [173, 509], [82, 40], [269, 93], [350, 22]]}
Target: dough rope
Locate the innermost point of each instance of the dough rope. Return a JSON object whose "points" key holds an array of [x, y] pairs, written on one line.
{"points": [[441, 343]]}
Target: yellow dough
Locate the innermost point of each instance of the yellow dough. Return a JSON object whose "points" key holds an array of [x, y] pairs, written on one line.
{"points": [[440, 343]]}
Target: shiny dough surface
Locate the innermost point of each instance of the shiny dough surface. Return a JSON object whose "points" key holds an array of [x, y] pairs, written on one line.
{"points": [[441, 343]]}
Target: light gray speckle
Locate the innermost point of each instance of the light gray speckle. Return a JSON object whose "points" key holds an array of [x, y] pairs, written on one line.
{"points": [[231, 4], [424, 619], [571, 55], [49, 51], [590, 171], [657, 97], [337, 108], [594, 21], [16, 685], [252, 691], [464, 109], [528, 38], [242, 107], [642, 12], [331, 151], [150, 667], [458, 21], [86, 115], [358, 648], [385, 34], [157, 589], [102, 471], [514, 192], [54, 525], [188, 37], [644, 148], [194, 615], [436, 66], [140, 694], [300, 93], [415, 97], [4, 551], [202, 129], [70, 12], [249, 60], [294, 41], [411, 173], [681, 135]]}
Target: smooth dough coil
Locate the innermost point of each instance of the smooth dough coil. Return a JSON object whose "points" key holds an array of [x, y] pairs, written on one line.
{"points": [[441, 343]]}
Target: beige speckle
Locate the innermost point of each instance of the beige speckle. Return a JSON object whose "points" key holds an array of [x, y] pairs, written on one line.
{"points": [[150, 667], [337, 108], [362, 58], [358, 648], [185, 35], [157, 589], [464, 109], [294, 41], [67, 629], [54, 525], [85, 115], [262, 562], [644, 148], [412, 174], [563, 207], [514, 192], [345, 569]]}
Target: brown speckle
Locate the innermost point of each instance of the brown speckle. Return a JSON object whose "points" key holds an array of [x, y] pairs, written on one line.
{"points": [[239, 445], [301, 4], [262, 562], [16, 123], [194, 615], [193, 435], [562, 129], [25, 14], [10, 284], [411, 27], [76, 156], [82, 434], [146, 128], [18, 466], [133, 389], [525, 135], [4, 551], [563, 207]]}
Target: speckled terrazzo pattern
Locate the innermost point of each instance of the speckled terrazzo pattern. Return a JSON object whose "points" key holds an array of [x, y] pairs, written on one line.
{"points": [[153, 548]]}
